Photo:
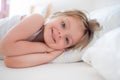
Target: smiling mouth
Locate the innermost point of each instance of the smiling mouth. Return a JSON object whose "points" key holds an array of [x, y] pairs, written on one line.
{"points": [[53, 36]]}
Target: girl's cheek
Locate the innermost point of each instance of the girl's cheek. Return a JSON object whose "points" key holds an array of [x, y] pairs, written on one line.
{"points": [[62, 44]]}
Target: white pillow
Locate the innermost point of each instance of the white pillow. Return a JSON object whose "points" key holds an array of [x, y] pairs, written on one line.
{"points": [[69, 56], [104, 55], [108, 17]]}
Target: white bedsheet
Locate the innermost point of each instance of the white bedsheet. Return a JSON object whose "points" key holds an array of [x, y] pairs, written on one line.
{"points": [[68, 71]]}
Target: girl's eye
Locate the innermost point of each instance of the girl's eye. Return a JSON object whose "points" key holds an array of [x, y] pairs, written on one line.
{"points": [[63, 24], [67, 40]]}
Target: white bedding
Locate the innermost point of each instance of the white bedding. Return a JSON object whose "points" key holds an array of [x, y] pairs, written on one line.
{"points": [[70, 71], [104, 55], [65, 71]]}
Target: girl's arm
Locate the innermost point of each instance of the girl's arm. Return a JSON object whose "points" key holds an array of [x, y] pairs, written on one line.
{"points": [[30, 60], [15, 42]]}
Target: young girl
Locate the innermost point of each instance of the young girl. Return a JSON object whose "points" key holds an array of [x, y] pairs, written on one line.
{"points": [[34, 41]]}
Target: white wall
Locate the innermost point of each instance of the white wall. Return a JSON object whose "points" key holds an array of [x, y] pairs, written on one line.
{"points": [[71, 4], [22, 6], [86, 5], [104, 3]]}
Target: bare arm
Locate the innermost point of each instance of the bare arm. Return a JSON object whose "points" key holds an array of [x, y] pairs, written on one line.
{"points": [[31, 59], [15, 42]]}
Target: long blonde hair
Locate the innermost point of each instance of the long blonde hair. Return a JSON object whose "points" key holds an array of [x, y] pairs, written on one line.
{"points": [[90, 25]]}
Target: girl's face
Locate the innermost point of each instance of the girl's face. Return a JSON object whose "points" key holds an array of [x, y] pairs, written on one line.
{"points": [[63, 32]]}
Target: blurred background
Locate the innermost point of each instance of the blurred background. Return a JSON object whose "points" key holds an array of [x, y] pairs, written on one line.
{"points": [[21, 7]]}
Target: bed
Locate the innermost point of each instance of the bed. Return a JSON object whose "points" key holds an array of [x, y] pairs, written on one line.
{"points": [[69, 66]]}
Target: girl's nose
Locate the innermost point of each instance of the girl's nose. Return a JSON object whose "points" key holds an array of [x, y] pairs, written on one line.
{"points": [[61, 34]]}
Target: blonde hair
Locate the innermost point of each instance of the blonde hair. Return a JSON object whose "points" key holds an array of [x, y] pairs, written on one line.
{"points": [[90, 25]]}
